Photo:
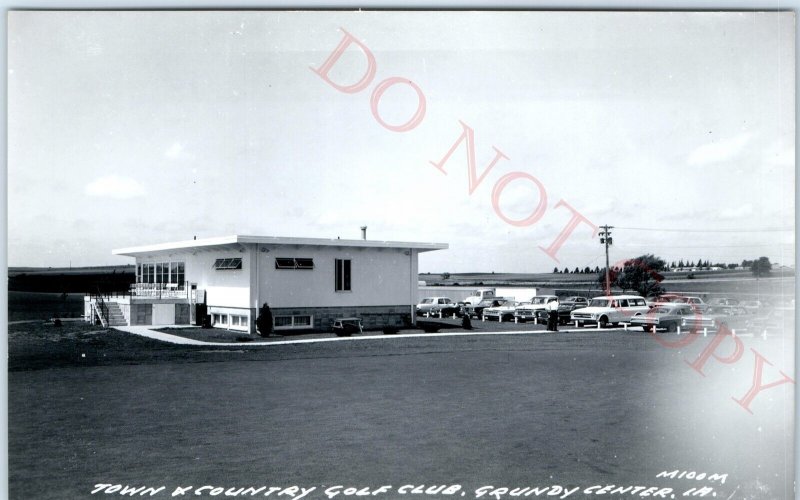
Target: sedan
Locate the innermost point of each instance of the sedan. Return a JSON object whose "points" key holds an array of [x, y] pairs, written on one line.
{"points": [[667, 316], [503, 312], [734, 318]]}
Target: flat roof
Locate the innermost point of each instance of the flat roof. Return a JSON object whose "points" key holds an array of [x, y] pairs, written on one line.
{"points": [[275, 240]]}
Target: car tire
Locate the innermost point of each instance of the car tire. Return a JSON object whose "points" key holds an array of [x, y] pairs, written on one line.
{"points": [[603, 321], [672, 327], [580, 324]]}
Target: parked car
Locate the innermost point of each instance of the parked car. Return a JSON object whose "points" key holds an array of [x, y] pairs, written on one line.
{"points": [[528, 311], [566, 306], [667, 316], [610, 310], [780, 320], [664, 298], [429, 303], [448, 309], [696, 302], [734, 318], [477, 309], [503, 312], [720, 303], [754, 306]]}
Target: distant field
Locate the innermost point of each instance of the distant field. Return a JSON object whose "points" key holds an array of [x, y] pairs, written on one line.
{"points": [[739, 284], [14, 271], [33, 305], [513, 278]]}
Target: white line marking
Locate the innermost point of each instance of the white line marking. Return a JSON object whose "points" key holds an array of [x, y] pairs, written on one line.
{"points": [[175, 339]]}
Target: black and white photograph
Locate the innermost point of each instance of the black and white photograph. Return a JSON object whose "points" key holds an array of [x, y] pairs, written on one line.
{"points": [[401, 254]]}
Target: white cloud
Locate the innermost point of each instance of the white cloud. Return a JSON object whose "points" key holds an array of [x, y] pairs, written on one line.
{"points": [[177, 152], [113, 186], [737, 213], [716, 152]]}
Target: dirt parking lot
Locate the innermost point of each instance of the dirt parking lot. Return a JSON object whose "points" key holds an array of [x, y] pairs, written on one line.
{"points": [[573, 410]]}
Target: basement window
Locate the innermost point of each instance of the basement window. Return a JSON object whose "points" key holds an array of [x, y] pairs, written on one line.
{"points": [[227, 264], [293, 263], [290, 322]]}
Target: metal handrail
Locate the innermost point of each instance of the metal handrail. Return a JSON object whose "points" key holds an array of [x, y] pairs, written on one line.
{"points": [[102, 309], [160, 290]]}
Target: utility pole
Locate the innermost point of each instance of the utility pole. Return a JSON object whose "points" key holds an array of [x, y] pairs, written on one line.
{"points": [[605, 239]]}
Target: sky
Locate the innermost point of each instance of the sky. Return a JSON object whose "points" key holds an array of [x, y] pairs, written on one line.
{"points": [[131, 128]]}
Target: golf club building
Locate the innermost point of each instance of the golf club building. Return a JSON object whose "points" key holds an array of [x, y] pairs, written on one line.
{"points": [[307, 282]]}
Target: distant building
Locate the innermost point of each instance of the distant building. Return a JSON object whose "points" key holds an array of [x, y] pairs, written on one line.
{"points": [[307, 282]]}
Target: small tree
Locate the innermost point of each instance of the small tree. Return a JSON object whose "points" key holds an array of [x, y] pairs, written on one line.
{"points": [[555, 270], [639, 274], [264, 320], [445, 276], [761, 267]]}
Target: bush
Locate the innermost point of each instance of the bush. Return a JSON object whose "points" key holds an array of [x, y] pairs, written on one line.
{"points": [[264, 320]]}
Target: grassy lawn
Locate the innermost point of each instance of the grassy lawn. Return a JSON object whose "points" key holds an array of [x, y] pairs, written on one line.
{"points": [[34, 305], [577, 409]]}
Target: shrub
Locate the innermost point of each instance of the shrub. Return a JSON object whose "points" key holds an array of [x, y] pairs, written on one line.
{"points": [[264, 320]]}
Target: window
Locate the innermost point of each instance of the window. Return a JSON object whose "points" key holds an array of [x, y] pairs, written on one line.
{"points": [[220, 319], [284, 263], [148, 273], [226, 264], [293, 263], [304, 263], [161, 272], [238, 320], [342, 281], [287, 322], [283, 321], [176, 271]]}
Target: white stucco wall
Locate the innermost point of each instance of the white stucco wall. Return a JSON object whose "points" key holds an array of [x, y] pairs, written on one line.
{"points": [[378, 277], [225, 288]]}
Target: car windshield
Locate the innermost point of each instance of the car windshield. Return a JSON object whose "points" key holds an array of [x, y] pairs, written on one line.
{"points": [[538, 300], [663, 310], [427, 301], [598, 303]]}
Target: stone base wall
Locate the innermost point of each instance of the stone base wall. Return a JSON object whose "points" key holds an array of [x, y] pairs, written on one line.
{"points": [[372, 317]]}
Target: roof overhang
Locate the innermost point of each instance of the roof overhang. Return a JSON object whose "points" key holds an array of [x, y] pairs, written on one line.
{"points": [[241, 240]]}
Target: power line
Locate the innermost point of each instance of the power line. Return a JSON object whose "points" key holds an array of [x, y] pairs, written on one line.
{"points": [[661, 229]]}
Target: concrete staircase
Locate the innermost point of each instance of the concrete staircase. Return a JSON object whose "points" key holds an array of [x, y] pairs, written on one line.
{"points": [[115, 316]]}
